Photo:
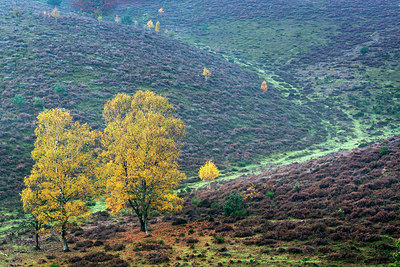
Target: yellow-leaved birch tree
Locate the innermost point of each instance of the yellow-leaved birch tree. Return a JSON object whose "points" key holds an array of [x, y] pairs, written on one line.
{"points": [[142, 142], [62, 176], [208, 172]]}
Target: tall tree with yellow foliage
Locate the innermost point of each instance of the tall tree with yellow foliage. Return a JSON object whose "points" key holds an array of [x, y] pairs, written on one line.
{"points": [[142, 142], [208, 172], [62, 176]]}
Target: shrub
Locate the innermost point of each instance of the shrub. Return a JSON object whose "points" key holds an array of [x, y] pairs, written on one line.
{"points": [[191, 231], [296, 187], [196, 202], [233, 203], [215, 205], [38, 102], [239, 213], [18, 101], [179, 221], [364, 144], [270, 194], [384, 150], [219, 239], [127, 20], [340, 212], [364, 50], [181, 234], [54, 2], [59, 89], [161, 242], [17, 12], [396, 255]]}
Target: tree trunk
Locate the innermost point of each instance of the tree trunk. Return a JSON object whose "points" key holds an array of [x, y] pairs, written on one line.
{"points": [[143, 224], [63, 239], [37, 241], [142, 228], [37, 228]]}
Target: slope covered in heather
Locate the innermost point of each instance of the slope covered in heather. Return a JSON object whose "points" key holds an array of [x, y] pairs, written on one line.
{"points": [[229, 119], [339, 58], [340, 210]]}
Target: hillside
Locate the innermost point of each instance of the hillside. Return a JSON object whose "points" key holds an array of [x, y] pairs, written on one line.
{"points": [[339, 210], [338, 58], [229, 118]]}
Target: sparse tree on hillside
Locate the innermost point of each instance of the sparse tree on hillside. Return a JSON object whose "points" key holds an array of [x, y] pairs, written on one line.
{"points": [[208, 172], [264, 86], [55, 13], [62, 177], [150, 24], [142, 142], [100, 18], [117, 19], [206, 73], [161, 10], [158, 26]]}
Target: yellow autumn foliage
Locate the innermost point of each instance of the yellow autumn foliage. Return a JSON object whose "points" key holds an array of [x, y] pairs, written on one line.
{"points": [[157, 26], [55, 13], [264, 86], [61, 178], [208, 172], [142, 142], [206, 73], [150, 24]]}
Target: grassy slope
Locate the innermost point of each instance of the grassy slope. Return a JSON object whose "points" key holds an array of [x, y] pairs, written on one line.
{"points": [[309, 51], [229, 118]]}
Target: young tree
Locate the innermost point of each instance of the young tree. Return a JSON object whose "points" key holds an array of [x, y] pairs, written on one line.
{"points": [[208, 172], [157, 26], [117, 19], [33, 205], [264, 86], [150, 24], [206, 73], [142, 142], [100, 18], [161, 10], [18, 101], [55, 13], [61, 178]]}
